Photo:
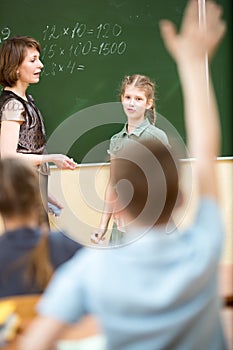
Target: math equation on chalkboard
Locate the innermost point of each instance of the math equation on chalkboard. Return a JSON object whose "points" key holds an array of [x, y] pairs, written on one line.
{"points": [[65, 48]]}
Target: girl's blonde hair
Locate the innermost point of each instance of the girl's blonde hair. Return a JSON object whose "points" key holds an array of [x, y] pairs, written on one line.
{"points": [[20, 197], [144, 83]]}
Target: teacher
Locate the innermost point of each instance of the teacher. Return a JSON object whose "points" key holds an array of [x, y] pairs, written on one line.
{"points": [[22, 130]]}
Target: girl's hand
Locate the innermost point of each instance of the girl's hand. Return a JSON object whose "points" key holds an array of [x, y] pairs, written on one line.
{"points": [[98, 235]]}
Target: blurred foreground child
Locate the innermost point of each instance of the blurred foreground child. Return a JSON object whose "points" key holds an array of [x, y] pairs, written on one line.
{"points": [[29, 253], [159, 293]]}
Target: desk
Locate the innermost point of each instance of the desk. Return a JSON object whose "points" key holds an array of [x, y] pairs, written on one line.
{"points": [[25, 308], [87, 327]]}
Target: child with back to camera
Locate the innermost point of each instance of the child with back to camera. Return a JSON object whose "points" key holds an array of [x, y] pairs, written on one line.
{"points": [[138, 100], [29, 252], [160, 292]]}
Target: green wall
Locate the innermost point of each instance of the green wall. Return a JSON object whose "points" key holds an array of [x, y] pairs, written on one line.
{"points": [[89, 46]]}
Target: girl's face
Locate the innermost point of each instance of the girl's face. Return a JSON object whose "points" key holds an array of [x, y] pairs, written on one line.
{"points": [[30, 68], [135, 103]]}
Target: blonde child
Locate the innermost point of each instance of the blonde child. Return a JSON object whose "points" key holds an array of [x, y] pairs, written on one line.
{"points": [[138, 100]]}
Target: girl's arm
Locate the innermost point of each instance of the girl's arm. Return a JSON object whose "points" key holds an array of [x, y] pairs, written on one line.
{"points": [[109, 200]]}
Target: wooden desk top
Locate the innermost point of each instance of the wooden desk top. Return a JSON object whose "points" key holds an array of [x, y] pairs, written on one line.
{"points": [[85, 328], [25, 309]]}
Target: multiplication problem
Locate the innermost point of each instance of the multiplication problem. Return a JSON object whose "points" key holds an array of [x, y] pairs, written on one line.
{"points": [[79, 30], [66, 48], [53, 68], [84, 49]]}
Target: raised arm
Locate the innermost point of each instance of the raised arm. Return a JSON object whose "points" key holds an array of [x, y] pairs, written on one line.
{"points": [[192, 48]]}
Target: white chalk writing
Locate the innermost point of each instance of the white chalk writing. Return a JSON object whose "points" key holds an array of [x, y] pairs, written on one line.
{"points": [[4, 34], [64, 47]]}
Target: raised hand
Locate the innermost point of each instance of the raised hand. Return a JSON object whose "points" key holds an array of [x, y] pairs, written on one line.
{"points": [[198, 36]]}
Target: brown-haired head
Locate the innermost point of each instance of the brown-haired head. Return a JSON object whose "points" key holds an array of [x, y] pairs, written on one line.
{"points": [[144, 83], [12, 54], [146, 179], [20, 198], [19, 188]]}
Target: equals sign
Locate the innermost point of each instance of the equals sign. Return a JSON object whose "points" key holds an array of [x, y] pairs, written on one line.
{"points": [[80, 67], [90, 31], [94, 49]]}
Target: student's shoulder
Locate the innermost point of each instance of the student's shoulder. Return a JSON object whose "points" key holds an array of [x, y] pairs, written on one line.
{"points": [[155, 129], [58, 238], [4, 243], [62, 248], [91, 261], [157, 133]]}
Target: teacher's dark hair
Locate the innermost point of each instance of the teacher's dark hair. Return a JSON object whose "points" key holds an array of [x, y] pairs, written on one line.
{"points": [[12, 54]]}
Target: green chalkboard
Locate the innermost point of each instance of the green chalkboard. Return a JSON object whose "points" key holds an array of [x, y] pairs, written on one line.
{"points": [[88, 47]]}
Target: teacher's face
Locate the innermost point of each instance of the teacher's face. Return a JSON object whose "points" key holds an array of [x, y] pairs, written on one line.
{"points": [[29, 70]]}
